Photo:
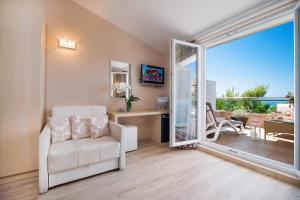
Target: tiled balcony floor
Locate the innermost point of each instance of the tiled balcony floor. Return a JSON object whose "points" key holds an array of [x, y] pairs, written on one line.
{"points": [[280, 148]]}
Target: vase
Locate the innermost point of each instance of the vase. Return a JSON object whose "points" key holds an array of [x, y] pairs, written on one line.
{"points": [[128, 106], [242, 119]]}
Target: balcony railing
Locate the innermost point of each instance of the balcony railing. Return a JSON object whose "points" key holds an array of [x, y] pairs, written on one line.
{"points": [[251, 104]]}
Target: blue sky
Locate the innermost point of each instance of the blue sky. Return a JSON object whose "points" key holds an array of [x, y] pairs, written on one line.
{"points": [[266, 57]]}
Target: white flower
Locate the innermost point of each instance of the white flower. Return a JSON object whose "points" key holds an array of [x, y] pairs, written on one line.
{"points": [[121, 87]]}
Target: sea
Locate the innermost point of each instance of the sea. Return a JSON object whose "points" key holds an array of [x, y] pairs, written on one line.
{"points": [[272, 101], [275, 102]]}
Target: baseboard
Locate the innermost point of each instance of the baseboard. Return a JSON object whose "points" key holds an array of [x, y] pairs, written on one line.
{"points": [[253, 166], [18, 177]]}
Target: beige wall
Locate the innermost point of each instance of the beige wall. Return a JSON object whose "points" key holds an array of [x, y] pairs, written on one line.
{"points": [[21, 65], [81, 77], [78, 77]]}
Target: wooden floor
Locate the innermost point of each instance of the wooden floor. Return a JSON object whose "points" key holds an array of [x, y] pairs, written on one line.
{"points": [[156, 172], [280, 148]]}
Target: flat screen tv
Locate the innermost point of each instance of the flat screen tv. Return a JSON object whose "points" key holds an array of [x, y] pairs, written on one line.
{"points": [[152, 75]]}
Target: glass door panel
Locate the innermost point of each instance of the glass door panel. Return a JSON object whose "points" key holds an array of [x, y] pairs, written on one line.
{"points": [[185, 92]]}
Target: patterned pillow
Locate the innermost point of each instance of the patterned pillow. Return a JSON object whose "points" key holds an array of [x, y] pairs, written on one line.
{"points": [[80, 127], [99, 126], [60, 129]]}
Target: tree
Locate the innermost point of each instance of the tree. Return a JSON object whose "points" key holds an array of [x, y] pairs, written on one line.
{"points": [[258, 91], [252, 105], [231, 92], [228, 104]]}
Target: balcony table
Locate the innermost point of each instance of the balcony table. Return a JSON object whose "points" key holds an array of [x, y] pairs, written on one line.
{"points": [[278, 126]]}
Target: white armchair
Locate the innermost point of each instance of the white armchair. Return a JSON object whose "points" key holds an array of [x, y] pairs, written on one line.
{"points": [[75, 159]]}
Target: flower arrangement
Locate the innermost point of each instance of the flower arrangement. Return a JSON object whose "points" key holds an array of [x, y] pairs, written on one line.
{"points": [[121, 89], [239, 113], [126, 92]]}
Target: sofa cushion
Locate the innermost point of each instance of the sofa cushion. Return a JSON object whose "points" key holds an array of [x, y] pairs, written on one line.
{"points": [[62, 156], [109, 148], [60, 129], [80, 127], [99, 126], [74, 153], [88, 151]]}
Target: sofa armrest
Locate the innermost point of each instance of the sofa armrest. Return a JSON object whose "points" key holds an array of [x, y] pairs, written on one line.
{"points": [[44, 145], [117, 131]]}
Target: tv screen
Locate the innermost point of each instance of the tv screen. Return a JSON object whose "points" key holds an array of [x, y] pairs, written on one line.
{"points": [[152, 75]]}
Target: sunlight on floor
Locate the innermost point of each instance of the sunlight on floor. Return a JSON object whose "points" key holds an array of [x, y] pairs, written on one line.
{"points": [[279, 148], [270, 137]]}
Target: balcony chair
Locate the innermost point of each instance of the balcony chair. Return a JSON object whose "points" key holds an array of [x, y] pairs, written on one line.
{"points": [[214, 127]]}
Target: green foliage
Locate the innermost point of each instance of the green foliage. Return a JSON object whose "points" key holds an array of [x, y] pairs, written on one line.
{"points": [[256, 106], [231, 92], [229, 104], [251, 105], [258, 91], [129, 102]]}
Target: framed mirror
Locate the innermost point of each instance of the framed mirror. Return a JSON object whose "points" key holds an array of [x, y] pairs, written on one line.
{"points": [[120, 79]]}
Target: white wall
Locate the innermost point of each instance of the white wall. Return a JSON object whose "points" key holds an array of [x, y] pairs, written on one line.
{"points": [[81, 77], [21, 88], [211, 93]]}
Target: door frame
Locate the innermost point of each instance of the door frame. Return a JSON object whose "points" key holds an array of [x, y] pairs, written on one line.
{"points": [[297, 87], [200, 92], [289, 169]]}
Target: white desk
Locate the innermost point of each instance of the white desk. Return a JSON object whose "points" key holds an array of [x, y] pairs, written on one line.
{"points": [[155, 120]]}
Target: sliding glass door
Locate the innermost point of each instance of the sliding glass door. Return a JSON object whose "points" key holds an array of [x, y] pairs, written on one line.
{"points": [[254, 81], [254, 86], [187, 93], [270, 135]]}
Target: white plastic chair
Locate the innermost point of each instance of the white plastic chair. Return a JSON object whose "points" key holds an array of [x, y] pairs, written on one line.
{"points": [[215, 127]]}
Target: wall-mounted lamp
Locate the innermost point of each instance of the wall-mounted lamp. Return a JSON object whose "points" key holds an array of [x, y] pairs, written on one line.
{"points": [[70, 44]]}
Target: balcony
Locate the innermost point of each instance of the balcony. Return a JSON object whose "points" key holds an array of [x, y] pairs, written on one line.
{"points": [[276, 128]]}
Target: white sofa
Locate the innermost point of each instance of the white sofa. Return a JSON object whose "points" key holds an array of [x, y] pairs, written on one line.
{"points": [[75, 159]]}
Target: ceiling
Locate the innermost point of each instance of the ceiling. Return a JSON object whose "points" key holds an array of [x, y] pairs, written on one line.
{"points": [[156, 21]]}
